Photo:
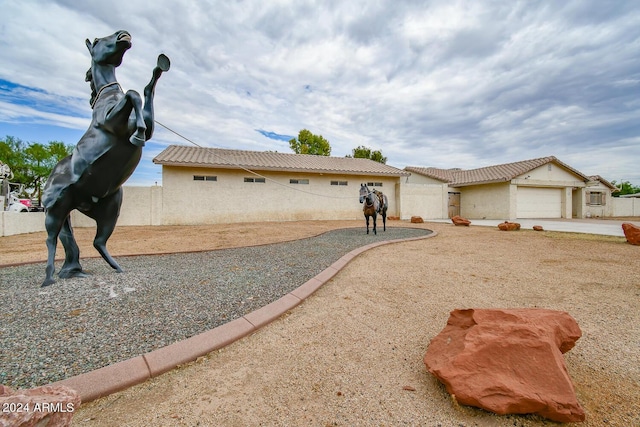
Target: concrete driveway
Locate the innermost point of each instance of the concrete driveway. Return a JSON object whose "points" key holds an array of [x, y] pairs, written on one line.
{"points": [[590, 226]]}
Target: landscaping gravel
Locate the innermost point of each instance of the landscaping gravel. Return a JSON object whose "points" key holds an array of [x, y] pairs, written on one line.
{"points": [[81, 324]]}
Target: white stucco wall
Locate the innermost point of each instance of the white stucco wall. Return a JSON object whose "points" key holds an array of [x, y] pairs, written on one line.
{"points": [[489, 201], [230, 199], [416, 178], [140, 206], [596, 211], [21, 222], [428, 201], [621, 206]]}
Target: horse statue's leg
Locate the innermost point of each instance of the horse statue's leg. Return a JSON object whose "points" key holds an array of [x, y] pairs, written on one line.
{"points": [[374, 223], [149, 91], [106, 212], [384, 219], [366, 218], [53, 224], [71, 266]]}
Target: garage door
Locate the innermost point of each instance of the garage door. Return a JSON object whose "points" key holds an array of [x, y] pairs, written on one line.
{"points": [[539, 202]]}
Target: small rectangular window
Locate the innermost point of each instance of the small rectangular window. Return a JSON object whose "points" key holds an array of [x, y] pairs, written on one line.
{"points": [[339, 182], [205, 178], [298, 181], [374, 184], [198, 177], [249, 179], [210, 178]]}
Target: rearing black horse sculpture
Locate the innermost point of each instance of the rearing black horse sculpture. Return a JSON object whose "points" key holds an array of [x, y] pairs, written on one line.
{"points": [[91, 178]]}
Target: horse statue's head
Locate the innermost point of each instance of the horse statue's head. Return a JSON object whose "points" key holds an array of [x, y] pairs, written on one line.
{"points": [[110, 50], [364, 193]]}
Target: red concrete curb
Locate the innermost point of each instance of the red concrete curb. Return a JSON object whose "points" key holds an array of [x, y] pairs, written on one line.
{"points": [[119, 376]]}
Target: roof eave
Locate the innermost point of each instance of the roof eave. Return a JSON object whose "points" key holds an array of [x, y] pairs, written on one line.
{"points": [[278, 169]]}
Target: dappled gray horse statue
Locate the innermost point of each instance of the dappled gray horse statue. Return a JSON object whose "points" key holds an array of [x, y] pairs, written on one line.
{"points": [[374, 203], [91, 178]]}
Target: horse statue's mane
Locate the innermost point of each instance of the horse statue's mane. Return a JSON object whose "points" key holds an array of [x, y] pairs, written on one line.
{"points": [[89, 78]]}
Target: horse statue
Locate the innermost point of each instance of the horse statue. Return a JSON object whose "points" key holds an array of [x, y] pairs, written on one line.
{"points": [[90, 179], [374, 203]]}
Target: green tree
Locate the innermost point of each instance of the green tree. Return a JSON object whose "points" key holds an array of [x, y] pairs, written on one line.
{"points": [[362, 152], [32, 163], [308, 143], [625, 188]]}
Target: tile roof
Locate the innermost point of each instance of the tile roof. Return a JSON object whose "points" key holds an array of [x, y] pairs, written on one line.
{"points": [[182, 155], [499, 173]]}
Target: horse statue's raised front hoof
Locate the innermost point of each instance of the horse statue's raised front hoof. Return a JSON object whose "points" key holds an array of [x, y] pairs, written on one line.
{"points": [[163, 62]]}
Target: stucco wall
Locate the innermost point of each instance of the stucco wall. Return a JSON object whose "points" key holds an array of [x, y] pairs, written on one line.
{"points": [[21, 222], [230, 199], [416, 178], [491, 201], [140, 206], [550, 172], [595, 211], [428, 201], [621, 206]]}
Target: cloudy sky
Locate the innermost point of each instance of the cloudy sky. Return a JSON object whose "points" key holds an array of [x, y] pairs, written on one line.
{"points": [[430, 83]]}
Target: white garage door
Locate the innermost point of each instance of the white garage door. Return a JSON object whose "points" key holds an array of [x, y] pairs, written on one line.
{"points": [[539, 202]]}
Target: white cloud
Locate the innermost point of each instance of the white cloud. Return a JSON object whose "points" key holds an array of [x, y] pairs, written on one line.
{"points": [[438, 83]]}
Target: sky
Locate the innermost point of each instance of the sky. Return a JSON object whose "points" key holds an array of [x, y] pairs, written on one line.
{"points": [[447, 84]]}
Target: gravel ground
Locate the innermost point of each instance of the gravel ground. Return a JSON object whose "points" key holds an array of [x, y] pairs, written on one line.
{"points": [[82, 324]]}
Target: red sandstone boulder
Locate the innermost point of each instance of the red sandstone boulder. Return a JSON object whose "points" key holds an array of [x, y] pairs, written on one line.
{"points": [[508, 361], [509, 226], [458, 220], [51, 406], [417, 220], [632, 233], [538, 228], [393, 218]]}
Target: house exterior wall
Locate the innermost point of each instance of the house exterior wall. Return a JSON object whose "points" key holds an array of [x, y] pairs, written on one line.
{"points": [[489, 201], [554, 176], [603, 209], [416, 178], [230, 199], [428, 201]]}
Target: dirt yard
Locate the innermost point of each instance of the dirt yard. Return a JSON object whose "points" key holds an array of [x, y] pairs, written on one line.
{"points": [[351, 354]]}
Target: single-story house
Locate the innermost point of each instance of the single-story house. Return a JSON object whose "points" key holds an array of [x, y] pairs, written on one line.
{"points": [[212, 185], [537, 188]]}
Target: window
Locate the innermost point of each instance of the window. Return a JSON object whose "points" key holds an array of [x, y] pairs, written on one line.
{"points": [[339, 182], [595, 198], [374, 184], [246, 179], [205, 178], [298, 181]]}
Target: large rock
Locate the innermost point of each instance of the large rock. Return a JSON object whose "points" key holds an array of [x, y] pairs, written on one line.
{"points": [[50, 406], [417, 220], [458, 220], [508, 361], [632, 233], [509, 226]]}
